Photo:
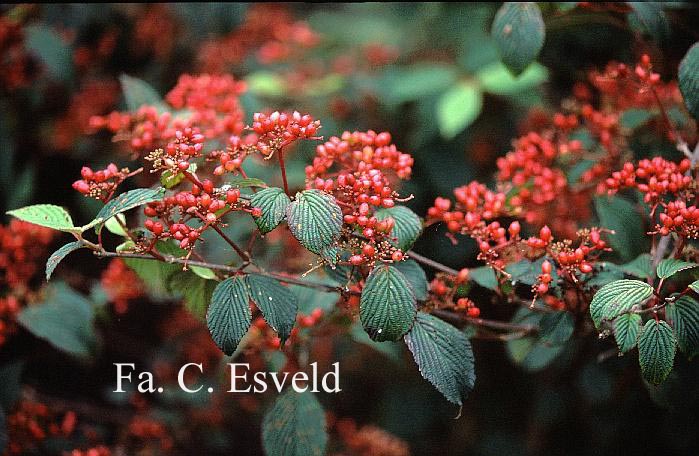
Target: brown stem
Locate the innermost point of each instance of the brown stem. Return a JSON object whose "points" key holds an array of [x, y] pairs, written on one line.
{"points": [[493, 324], [431, 263], [283, 168]]}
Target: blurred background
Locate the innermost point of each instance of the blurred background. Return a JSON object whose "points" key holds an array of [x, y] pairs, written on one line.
{"points": [[386, 67]]}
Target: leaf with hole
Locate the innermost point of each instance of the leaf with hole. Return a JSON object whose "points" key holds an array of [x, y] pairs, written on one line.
{"points": [[277, 303], [519, 33], [443, 355], [47, 215], [273, 203], [315, 220], [229, 315], [295, 426], [58, 256], [387, 307], [656, 351], [618, 297]]}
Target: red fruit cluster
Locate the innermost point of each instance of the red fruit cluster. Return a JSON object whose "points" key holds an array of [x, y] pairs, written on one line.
{"points": [[655, 178], [475, 205], [121, 284], [100, 184], [96, 451], [357, 168], [370, 440], [187, 144], [465, 304], [22, 249], [306, 321], [679, 218], [32, 423]]}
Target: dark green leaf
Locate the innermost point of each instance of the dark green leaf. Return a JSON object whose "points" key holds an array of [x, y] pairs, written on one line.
{"points": [[669, 267], [387, 306], [620, 215], [295, 426], [641, 267], [618, 297], [656, 351], [528, 272], [273, 203], [485, 277], [46, 215], [400, 85], [391, 350], [10, 383], [229, 316], [407, 228], [650, 18], [126, 201], [688, 77], [416, 278], [315, 219], [51, 48], [634, 118], [556, 327], [276, 302], [444, 356], [519, 33], [626, 329], [64, 319], [58, 256], [529, 352], [683, 315]]}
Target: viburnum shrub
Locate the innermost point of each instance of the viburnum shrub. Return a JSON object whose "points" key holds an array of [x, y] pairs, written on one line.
{"points": [[561, 275]]}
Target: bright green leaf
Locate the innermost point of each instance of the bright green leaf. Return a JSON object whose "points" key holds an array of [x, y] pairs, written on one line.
{"points": [[245, 182], [46, 215], [387, 306], [229, 315], [444, 356], [114, 227], [497, 79], [265, 84], [656, 351], [670, 266], [295, 426], [457, 108], [195, 290], [204, 273], [641, 267]]}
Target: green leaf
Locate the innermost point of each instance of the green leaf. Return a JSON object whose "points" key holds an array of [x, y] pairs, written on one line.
{"points": [[114, 227], [138, 93], [127, 201], [683, 315], [641, 267], [670, 266], [416, 278], [170, 180], [556, 328], [277, 303], [519, 33], [295, 426], [315, 219], [694, 286], [273, 203], [485, 277], [266, 84], [688, 76], [245, 182], [649, 17], [156, 274], [457, 108], [64, 319], [11, 381], [196, 291], [387, 306], [634, 118], [51, 48], [400, 85], [46, 215], [391, 350], [229, 316], [618, 297], [443, 355], [529, 352], [626, 329], [204, 273], [620, 215], [407, 228], [656, 351], [58, 256], [497, 79], [528, 272]]}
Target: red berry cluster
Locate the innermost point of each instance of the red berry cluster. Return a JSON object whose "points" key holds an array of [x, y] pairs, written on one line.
{"points": [[475, 205], [100, 184], [22, 247], [187, 144], [357, 169], [655, 178], [32, 423], [679, 218], [121, 284], [465, 304]]}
